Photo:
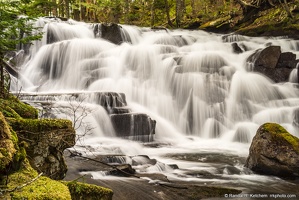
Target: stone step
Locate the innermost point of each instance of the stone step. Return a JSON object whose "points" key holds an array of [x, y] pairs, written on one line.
{"points": [[134, 126]]}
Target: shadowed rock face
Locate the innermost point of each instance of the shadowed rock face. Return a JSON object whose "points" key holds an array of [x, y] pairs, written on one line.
{"points": [[133, 125], [112, 32], [46, 139], [272, 63], [274, 151]]}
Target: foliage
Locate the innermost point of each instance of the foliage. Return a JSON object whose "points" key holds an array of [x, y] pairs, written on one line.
{"points": [[42, 188], [281, 135], [86, 191], [15, 30], [12, 107]]}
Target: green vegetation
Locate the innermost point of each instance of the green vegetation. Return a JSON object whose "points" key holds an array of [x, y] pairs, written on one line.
{"points": [[15, 31], [41, 188], [81, 191], [18, 180], [12, 107], [39, 125], [281, 135]]}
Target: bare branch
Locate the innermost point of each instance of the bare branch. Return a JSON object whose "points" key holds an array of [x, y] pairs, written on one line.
{"points": [[21, 186]]}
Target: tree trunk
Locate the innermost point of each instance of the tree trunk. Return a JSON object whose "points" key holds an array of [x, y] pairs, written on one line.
{"points": [[82, 11], [127, 11], [67, 9], [178, 13], [2, 92], [153, 13], [167, 13], [54, 9]]}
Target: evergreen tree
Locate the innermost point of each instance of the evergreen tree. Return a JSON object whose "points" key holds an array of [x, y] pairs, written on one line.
{"points": [[15, 29]]}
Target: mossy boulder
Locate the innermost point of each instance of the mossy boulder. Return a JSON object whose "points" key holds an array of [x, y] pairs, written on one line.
{"points": [[7, 145], [274, 151], [25, 183], [12, 107], [46, 140], [81, 191]]}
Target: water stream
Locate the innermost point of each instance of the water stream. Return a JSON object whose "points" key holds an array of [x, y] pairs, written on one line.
{"points": [[206, 103]]}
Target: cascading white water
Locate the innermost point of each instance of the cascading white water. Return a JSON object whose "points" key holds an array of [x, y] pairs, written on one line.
{"points": [[191, 82]]}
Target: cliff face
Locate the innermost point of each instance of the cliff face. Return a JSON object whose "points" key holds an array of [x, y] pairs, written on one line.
{"points": [[30, 148], [46, 140]]}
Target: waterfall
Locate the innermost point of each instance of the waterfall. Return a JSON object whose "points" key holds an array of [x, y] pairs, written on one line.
{"points": [[191, 82], [192, 100]]}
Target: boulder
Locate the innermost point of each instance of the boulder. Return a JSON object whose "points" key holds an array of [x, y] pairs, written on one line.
{"points": [[274, 151], [133, 125], [272, 63], [112, 33], [7, 146], [46, 140], [267, 57], [236, 48]]}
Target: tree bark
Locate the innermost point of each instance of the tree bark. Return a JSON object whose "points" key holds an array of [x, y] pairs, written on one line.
{"points": [[167, 13], [2, 92], [153, 13]]}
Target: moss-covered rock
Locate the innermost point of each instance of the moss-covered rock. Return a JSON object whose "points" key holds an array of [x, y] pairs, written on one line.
{"points": [[274, 151], [46, 139], [26, 184], [81, 191], [12, 107], [7, 146]]}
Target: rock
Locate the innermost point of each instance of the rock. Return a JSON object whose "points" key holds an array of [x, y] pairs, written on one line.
{"points": [[7, 146], [46, 139], [110, 100], [274, 151], [236, 48], [133, 125], [272, 63], [288, 60], [122, 170], [268, 57], [112, 32], [81, 191]]}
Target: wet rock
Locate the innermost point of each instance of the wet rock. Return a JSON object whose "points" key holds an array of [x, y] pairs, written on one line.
{"points": [[274, 151], [236, 48], [122, 170], [110, 100], [288, 60], [133, 124], [268, 57], [112, 32], [118, 110], [46, 139], [272, 63]]}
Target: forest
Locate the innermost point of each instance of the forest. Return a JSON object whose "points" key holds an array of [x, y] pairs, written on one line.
{"points": [[167, 13]]}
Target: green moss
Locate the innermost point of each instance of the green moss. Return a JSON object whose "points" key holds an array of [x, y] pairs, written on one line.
{"points": [[12, 107], [41, 189], [281, 135], [7, 146], [38, 125], [81, 191]]}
